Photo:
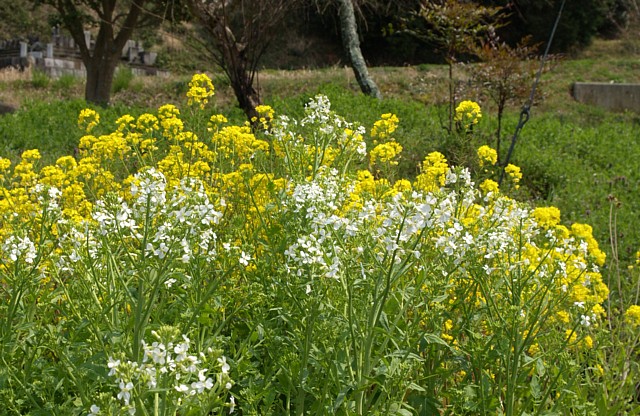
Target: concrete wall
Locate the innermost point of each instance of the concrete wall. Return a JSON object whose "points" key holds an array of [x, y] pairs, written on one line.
{"points": [[613, 97]]}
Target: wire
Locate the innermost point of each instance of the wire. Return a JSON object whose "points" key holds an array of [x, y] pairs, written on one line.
{"points": [[525, 114]]}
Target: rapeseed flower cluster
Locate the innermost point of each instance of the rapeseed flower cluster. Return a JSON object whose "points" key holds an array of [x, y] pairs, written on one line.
{"points": [[292, 208], [88, 119], [487, 156], [385, 153], [433, 173], [200, 90], [489, 187], [468, 113], [384, 128], [514, 173], [632, 316], [547, 217], [265, 114]]}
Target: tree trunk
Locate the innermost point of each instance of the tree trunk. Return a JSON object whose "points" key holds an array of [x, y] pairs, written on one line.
{"points": [[248, 98], [351, 44], [234, 62], [100, 72], [101, 62]]}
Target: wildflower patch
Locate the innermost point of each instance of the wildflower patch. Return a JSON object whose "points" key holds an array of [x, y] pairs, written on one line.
{"points": [[283, 267]]}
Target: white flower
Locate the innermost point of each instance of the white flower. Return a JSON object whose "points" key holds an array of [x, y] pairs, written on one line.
{"points": [[202, 383], [225, 367], [161, 251], [94, 410], [125, 390], [232, 404], [113, 365], [182, 388], [244, 259], [181, 349]]}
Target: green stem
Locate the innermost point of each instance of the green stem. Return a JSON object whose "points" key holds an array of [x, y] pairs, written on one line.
{"points": [[305, 358]]}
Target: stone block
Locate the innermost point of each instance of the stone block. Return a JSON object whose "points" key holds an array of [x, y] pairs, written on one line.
{"points": [[613, 97]]}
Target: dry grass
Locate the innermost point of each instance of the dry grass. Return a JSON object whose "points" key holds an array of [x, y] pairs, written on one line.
{"points": [[10, 80], [11, 74]]}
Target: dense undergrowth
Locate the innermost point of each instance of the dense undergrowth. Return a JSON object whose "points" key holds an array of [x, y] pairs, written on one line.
{"points": [[174, 262]]}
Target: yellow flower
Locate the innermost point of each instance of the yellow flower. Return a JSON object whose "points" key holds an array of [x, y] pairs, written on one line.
{"points": [[563, 316], [147, 123], [215, 121], [632, 316], [599, 369], [468, 113], [200, 89], [125, 122], [547, 216], [598, 310], [384, 127], [52, 176], [433, 174], [489, 186], [4, 164], [168, 111], [402, 185], [487, 156], [588, 342], [385, 153], [448, 326], [88, 119], [30, 155], [171, 127], [265, 111], [514, 173], [265, 114], [585, 232], [238, 142]]}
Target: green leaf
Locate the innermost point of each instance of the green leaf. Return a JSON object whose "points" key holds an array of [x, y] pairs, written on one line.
{"points": [[535, 387], [434, 339], [415, 387]]}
